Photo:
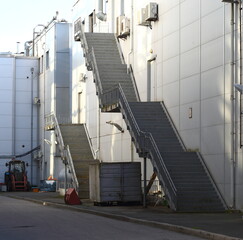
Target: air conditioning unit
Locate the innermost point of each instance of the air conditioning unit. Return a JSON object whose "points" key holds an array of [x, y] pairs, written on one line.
{"points": [[141, 17], [125, 26], [82, 77], [118, 24], [152, 12]]}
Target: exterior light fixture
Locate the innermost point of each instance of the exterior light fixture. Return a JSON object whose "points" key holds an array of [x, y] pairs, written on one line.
{"points": [[239, 87], [116, 125]]}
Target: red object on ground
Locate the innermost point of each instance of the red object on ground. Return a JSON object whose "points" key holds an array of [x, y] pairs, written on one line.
{"points": [[71, 197]]}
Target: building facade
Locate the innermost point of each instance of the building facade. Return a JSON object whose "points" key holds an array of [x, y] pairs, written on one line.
{"points": [[19, 79], [183, 58], [52, 47]]}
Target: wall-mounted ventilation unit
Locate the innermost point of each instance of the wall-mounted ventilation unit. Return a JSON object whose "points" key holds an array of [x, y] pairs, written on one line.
{"points": [[123, 27], [152, 12], [118, 25], [141, 17], [82, 77]]}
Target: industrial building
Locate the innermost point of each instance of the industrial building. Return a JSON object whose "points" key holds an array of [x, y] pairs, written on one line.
{"points": [[144, 82]]}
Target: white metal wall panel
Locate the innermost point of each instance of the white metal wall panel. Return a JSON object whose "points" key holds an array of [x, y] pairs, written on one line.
{"points": [[186, 94], [189, 63], [6, 71], [208, 6], [190, 36], [6, 83], [171, 71], [171, 45], [212, 27], [23, 97], [212, 110], [6, 134], [6, 96], [216, 143], [212, 54], [5, 108], [212, 83], [5, 149], [171, 21], [191, 138], [192, 6]]}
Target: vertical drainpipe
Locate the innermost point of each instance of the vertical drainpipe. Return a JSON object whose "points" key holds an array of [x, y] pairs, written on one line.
{"points": [[14, 110], [241, 72], [131, 34], [150, 59], [97, 152], [32, 121], [232, 98], [148, 81]]}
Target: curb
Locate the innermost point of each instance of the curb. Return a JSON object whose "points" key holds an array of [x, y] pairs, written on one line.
{"points": [[166, 226]]}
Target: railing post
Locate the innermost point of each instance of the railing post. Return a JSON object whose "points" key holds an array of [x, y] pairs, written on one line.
{"points": [[144, 181], [65, 177]]}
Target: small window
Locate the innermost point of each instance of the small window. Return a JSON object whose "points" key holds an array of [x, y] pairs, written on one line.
{"points": [[47, 60]]}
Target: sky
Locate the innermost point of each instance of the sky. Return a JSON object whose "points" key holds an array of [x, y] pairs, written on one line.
{"points": [[18, 18]]}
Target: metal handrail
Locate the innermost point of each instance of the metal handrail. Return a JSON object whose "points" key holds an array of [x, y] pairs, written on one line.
{"points": [[70, 164], [146, 142], [134, 82], [65, 151], [89, 140], [212, 179], [173, 126], [84, 45], [96, 71]]}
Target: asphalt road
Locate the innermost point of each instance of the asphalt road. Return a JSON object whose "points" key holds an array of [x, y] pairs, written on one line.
{"points": [[25, 220]]}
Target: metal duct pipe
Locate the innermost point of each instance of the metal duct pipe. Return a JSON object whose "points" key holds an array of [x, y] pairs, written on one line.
{"points": [[32, 123], [131, 36], [100, 14], [232, 98], [27, 47], [122, 13]]}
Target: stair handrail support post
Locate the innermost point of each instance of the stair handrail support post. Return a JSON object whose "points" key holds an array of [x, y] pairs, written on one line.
{"points": [[212, 180]]}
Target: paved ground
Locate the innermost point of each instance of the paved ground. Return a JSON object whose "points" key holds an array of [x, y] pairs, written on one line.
{"points": [[21, 220], [208, 225]]}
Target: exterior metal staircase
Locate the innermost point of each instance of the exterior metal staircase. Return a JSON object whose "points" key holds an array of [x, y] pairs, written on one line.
{"points": [[75, 151], [74, 136], [183, 175]]}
